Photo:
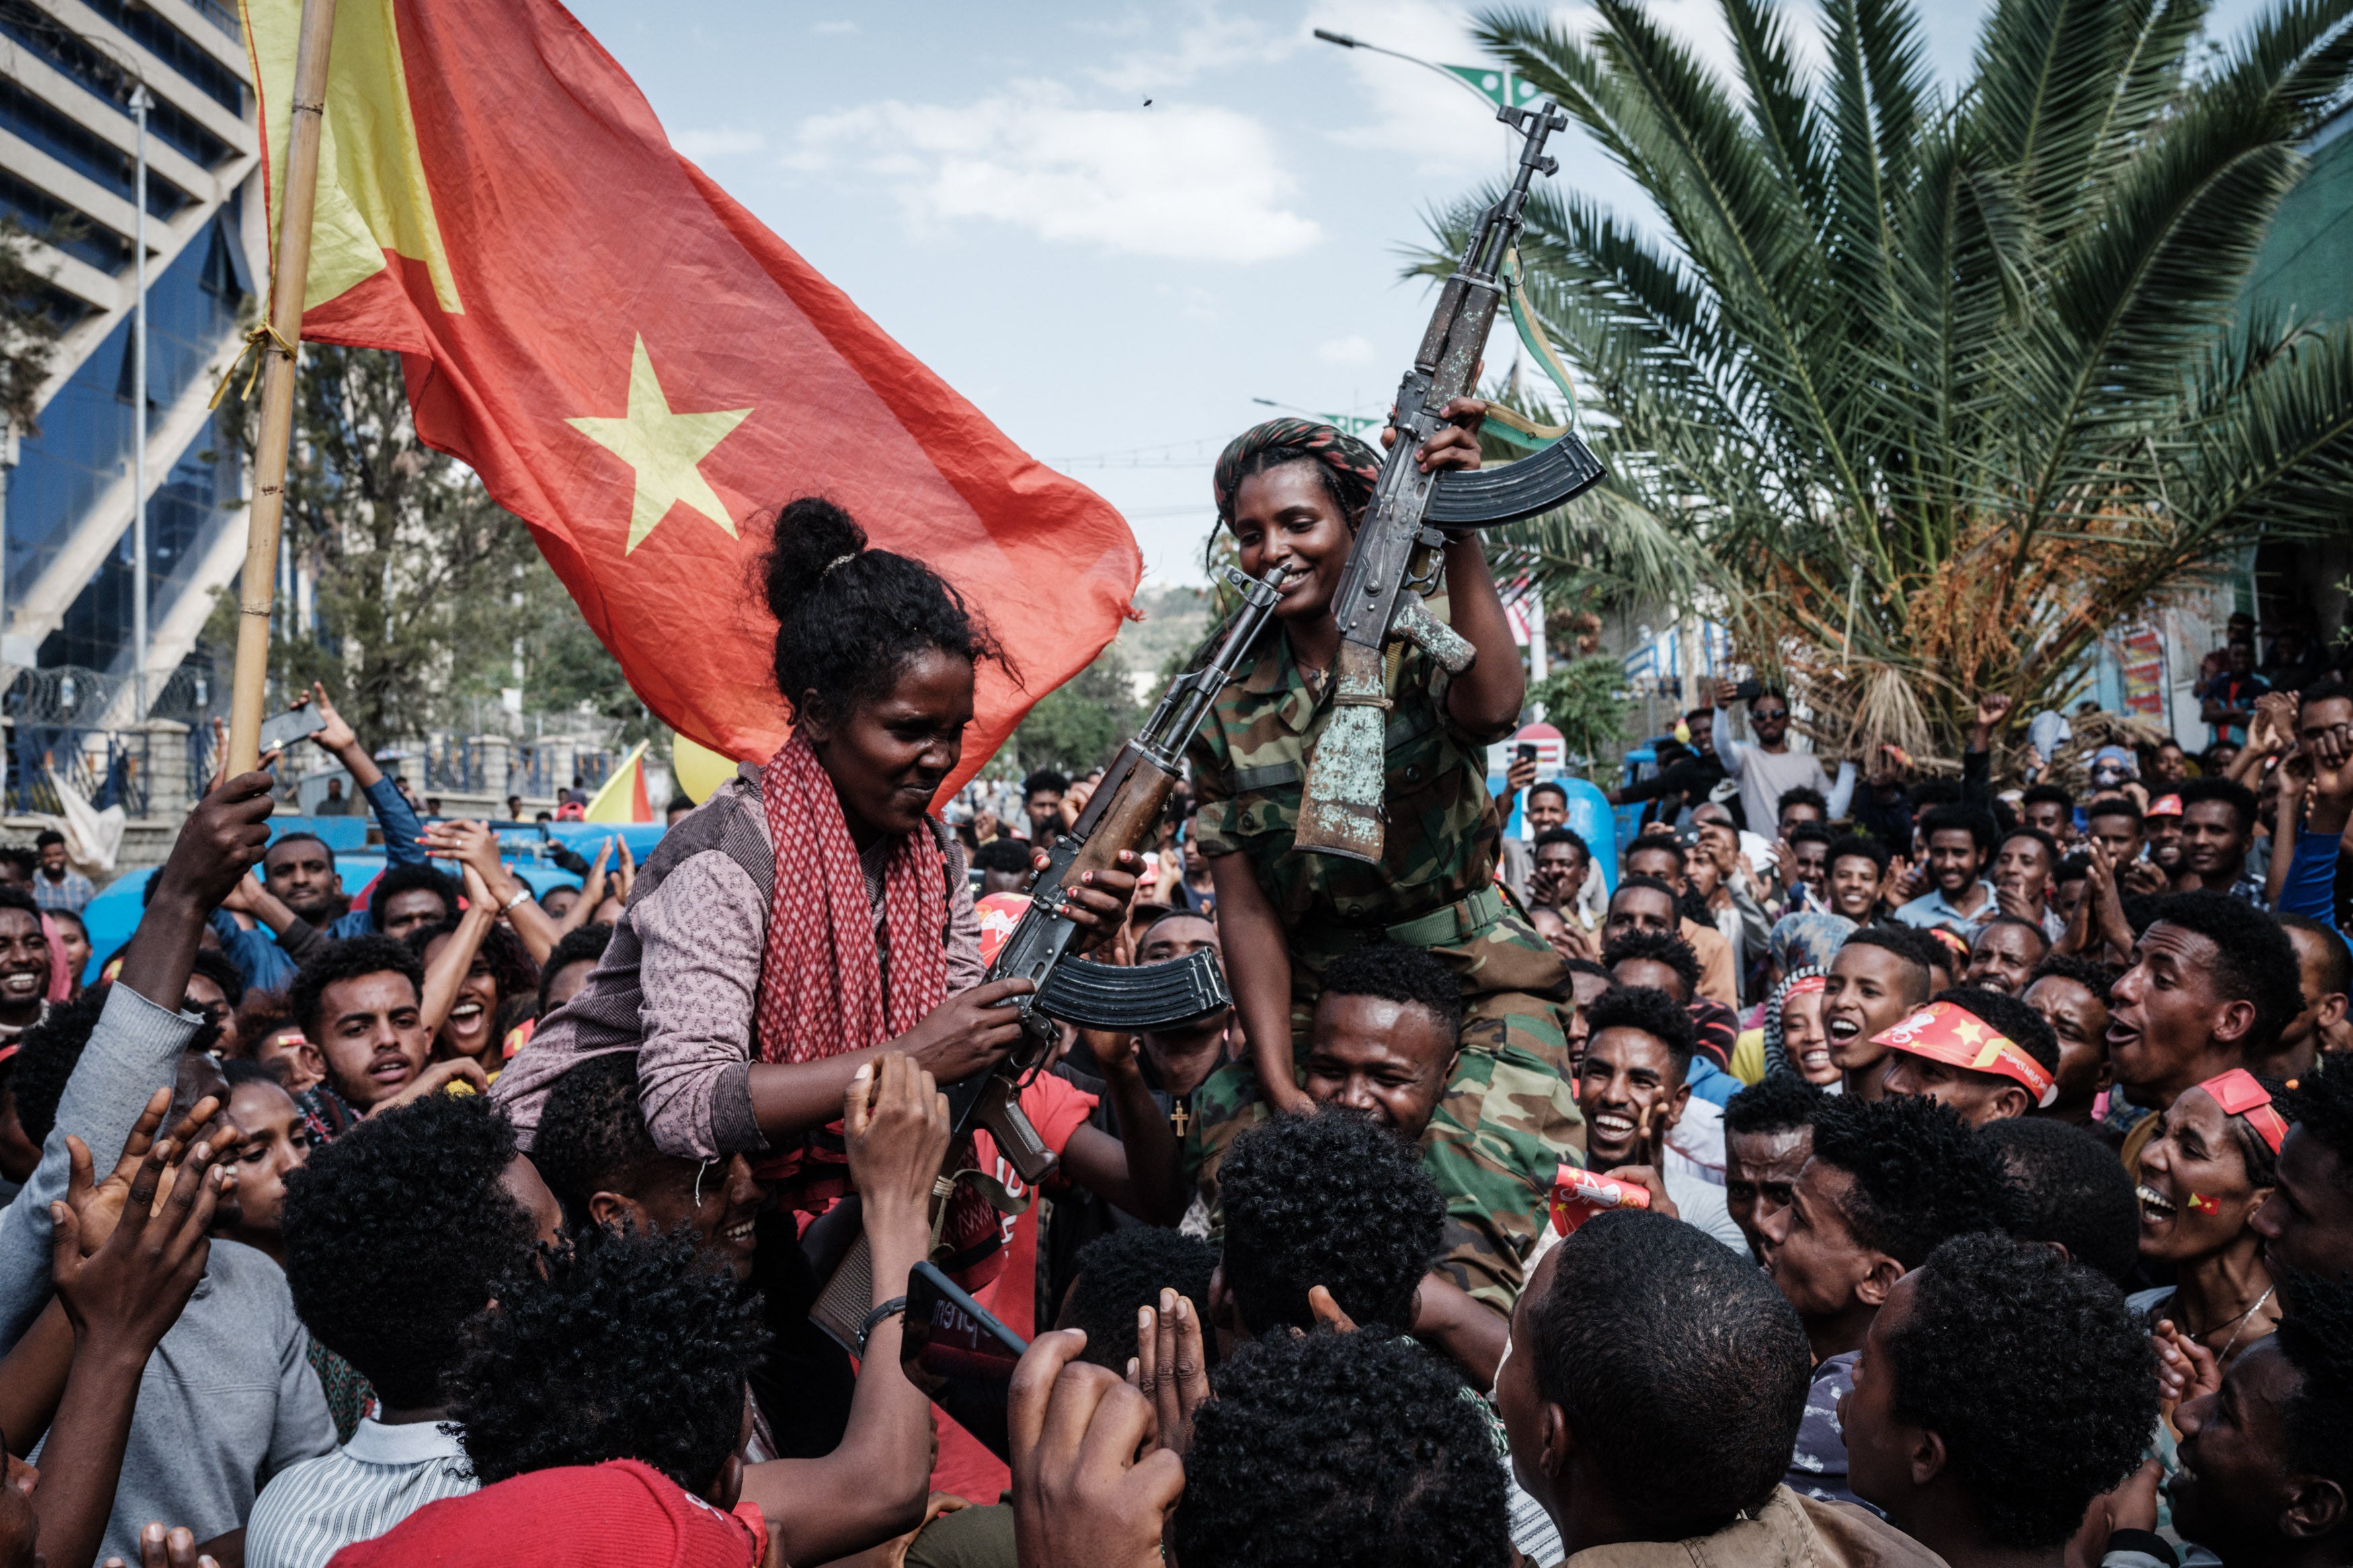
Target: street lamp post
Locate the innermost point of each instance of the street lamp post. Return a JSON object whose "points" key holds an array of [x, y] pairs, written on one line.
{"points": [[140, 104]]}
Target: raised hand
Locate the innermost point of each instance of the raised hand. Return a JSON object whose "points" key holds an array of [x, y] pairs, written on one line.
{"points": [[1081, 1498], [336, 734], [1457, 446], [1992, 708], [1171, 1367], [98, 1205], [130, 1290], [626, 874], [2185, 1368], [220, 841], [895, 1125], [471, 843], [2272, 727]]}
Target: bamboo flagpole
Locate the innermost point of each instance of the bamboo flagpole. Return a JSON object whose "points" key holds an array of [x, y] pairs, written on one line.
{"points": [[275, 342]]}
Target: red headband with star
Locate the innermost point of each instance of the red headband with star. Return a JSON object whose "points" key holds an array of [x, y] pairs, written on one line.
{"points": [[1944, 1032], [2240, 1094]]}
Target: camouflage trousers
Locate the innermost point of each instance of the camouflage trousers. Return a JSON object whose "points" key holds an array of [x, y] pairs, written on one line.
{"points": [[1508, 1121]]}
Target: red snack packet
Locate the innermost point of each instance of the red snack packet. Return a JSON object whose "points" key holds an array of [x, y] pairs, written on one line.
{"points": [[1578, 1194]]}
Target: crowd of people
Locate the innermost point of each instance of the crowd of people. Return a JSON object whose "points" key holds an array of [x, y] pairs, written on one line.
{"points": [[1861, 1171]]}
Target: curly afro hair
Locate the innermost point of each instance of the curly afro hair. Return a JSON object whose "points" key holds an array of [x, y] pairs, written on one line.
{"points": [[2036, 1374], [2321, 1106], [422, 875], [502, 951], [1978, 825], [1008, 855], [581, 944], [2068, 1187], [1650, 1010], [348, 960], [2005, 1015], [2230, 792], [2092, 976], [1125, 1270], [1781, 1103], [592, 1136], [848, 618], [1921, 1177], [1657, 947], [2253, 960], [1681, 1368], [1329, 1448], [1859, 846], [47, 1052], [215, 967], [396, 1233], [618, 1347], [1334, 1199], [1396, 973], [2315, 1335]]}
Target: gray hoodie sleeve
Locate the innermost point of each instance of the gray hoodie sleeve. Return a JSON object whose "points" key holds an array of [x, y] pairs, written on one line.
{"points": [[133, 1052]]}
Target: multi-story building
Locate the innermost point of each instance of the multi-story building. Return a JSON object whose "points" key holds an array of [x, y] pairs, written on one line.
{"points": [[67, 141]]}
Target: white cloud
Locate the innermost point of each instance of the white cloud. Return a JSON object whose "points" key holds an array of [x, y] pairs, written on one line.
{"points": [[834, 29], [1354, 349], [1210, 42], [1186, 182], [705, 143]]}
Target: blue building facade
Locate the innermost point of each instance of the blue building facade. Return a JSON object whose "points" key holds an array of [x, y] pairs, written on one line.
{"points": [[66, 147]]}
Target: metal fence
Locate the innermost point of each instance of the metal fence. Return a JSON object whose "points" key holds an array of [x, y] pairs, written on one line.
{"points": [[106, 767]]}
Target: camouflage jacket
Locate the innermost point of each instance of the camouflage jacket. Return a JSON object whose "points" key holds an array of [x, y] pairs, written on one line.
{"points": [[1248, 764]]}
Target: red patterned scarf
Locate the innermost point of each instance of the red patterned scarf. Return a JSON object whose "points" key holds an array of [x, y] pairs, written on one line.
{"points": [[821, 988]]}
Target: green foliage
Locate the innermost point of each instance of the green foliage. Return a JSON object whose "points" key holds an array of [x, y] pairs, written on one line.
{"points": [[423, 587], [1971, 360], [1079, 724], [28, 336], [1585, 700]]}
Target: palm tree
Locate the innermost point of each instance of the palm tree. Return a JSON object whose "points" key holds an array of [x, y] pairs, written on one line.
{"points": [[1924, 393]]}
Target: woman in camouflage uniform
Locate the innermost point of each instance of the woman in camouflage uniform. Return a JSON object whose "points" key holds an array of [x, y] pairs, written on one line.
{"points": [[1292, 491]]}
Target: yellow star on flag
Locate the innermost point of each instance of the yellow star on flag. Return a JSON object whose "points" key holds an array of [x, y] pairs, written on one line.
{"points": [[665, 449], [1968, 1033]]}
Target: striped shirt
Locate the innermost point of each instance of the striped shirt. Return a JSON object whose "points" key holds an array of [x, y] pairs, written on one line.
{"points": [[312, 1511]]}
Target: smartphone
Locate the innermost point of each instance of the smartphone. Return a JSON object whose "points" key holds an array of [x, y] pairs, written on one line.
{"points": [[961, 1358], [1527, 752], [283, 730]]}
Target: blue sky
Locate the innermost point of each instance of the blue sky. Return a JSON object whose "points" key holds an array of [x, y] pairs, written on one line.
{"points": [[1113, 282]]}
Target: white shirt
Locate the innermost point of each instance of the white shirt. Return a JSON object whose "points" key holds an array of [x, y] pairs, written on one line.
{"points": [[312, 1511]]}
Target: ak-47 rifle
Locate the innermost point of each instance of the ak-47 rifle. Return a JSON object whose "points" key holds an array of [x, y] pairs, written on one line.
{"points": [[1396, 544], [1122, 814]]}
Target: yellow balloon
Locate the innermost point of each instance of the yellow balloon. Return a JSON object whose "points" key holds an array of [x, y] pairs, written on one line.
{"points": [[698, 768]]}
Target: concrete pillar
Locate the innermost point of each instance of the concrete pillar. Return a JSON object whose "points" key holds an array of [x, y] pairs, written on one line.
{"points": [[168, 740]]}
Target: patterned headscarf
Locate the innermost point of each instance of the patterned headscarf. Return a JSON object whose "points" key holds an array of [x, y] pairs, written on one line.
{"points": [[1805, 977], [1357, 464], [1806, 938]]}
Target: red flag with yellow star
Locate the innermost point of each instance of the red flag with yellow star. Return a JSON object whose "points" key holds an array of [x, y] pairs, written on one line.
{"points": [[642, 373]]}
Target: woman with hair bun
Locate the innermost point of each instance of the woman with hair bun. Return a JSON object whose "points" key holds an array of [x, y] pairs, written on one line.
{"points": [[811, 914]]}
